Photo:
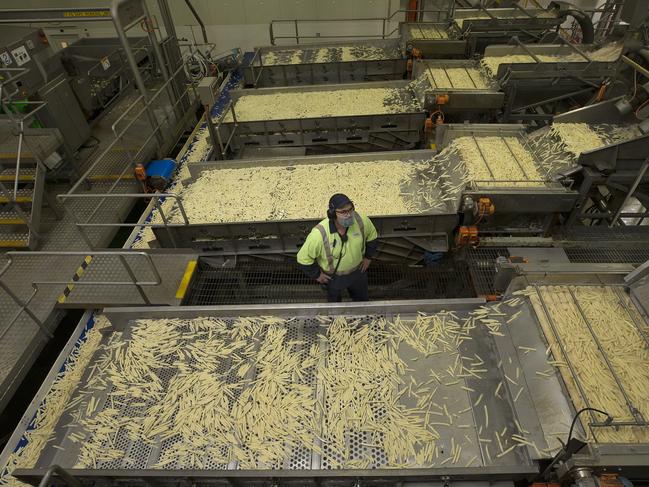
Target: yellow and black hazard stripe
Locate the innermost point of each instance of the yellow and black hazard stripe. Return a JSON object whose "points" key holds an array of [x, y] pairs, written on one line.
{"points": [[75, 278]]}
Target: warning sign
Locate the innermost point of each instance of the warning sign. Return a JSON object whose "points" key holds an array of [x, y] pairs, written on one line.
{"points": [[97, 13], [5, 58]]}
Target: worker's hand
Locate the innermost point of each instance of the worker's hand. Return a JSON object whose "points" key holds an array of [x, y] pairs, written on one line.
{"points": [[365, 264], [323, 278]]}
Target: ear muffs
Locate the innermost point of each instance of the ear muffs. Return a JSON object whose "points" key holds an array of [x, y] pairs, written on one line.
{"points": [[331, 211]]}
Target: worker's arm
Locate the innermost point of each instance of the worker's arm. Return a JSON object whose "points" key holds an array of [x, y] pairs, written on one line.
{"points": [[371, 238], [309, 253]]}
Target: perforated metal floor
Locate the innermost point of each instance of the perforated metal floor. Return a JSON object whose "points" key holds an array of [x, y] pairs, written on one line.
{"points": [[264, 282], [614, 255]]}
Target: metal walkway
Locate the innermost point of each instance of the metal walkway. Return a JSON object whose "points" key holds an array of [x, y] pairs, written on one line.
{"points": [[42, 282]]}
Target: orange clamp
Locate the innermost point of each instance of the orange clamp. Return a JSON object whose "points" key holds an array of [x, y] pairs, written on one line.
{"points": [[140, 172], [466, 235], [441, 99], [485, 207]]}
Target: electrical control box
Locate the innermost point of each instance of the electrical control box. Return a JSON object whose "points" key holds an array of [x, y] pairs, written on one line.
{"points": [[208, 90]]}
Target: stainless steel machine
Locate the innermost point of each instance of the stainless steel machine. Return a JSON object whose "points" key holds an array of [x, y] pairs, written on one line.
{"points": [[500, 409], [323, 63], [512, 83], [426, 228], [471, 30], [39, 75], [98, 72], [397, 123]]}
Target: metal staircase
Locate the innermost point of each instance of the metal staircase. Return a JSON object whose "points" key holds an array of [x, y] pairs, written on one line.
{"points": [[22, 183]]}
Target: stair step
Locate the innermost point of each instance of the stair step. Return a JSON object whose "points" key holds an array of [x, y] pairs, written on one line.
{"points": [[11, 218], [24, 195], [26, 174], [14, 240]]}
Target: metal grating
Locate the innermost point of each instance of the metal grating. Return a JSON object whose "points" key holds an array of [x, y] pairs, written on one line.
{"points": [[613, 255], [284, 282], [599, 233]]}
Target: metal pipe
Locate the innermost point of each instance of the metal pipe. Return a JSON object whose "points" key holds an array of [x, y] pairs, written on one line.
{"points": [[524, 48], [130, 273], [22, 305], [640, 69], [634, 186], [139, 82], [198, 19], [71, 253], [20, 148], [18, 313]]}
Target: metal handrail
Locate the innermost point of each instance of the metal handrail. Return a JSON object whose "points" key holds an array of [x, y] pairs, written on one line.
{"points": [[109, 194], [110, 146], [150, 102], [156, 202], [137, 155], [120, 254], [383, 20], [19, 121]]}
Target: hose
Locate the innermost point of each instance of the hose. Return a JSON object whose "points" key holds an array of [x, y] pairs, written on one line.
{"points": [[196, 66]]}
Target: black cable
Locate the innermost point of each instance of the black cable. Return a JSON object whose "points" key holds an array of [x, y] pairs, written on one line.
{"points": [[609, 419], [342, 252]]}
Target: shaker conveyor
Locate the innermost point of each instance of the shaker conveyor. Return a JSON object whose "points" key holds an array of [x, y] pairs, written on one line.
{"points": [[274, 220], [427, 198], [511, 79], [383, 114], [323, 63], [480, 392], [471, 30]]}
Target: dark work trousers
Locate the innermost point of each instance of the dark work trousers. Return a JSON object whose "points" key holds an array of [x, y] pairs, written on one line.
{"points": [[355, 283]]}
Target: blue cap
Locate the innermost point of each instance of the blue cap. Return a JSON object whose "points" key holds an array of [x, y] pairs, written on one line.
{"points": [[338, 201]]}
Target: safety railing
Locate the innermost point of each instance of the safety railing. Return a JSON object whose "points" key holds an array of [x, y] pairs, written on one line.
{"points": [[438, 15], [24, 304], [156, 197], [126, 128], [8, 104]]}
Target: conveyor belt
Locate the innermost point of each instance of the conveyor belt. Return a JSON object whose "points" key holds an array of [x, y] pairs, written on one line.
{"points": [[317, 115], [516, 396], [477, 412], [324, 63], [465, 84]]}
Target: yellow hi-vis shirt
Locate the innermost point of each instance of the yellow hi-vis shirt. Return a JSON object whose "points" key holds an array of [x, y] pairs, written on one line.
{"points": [[325, 246]]}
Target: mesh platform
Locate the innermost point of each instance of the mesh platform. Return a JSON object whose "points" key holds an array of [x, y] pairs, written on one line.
{"points": [[613, 255], [279, 282]]}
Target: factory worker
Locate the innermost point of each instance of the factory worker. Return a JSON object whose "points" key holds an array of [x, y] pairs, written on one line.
{"points": [[339, 249]]}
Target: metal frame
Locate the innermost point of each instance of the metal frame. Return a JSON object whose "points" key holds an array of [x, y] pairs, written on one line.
{"points": [[442, 15], [156, 131], [460, 99], [405, 126], [24, 305], [392, 66], [125, 14], [287, 235]]}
